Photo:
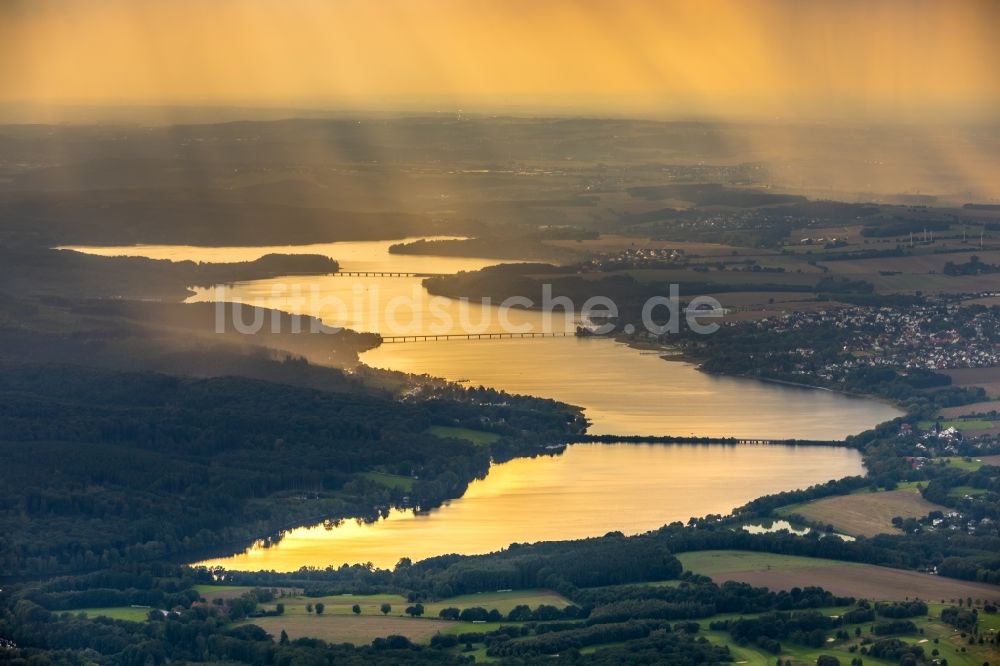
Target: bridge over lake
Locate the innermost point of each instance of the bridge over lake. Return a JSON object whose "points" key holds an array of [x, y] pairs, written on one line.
{"points": [[445, 337], [696, 439], [383, 274]]}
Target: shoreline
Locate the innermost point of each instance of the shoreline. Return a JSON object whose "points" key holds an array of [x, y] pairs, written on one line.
{"points": [[695, 361]]}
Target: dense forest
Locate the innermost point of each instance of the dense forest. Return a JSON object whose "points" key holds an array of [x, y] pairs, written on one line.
{"points": [[107, 467]]}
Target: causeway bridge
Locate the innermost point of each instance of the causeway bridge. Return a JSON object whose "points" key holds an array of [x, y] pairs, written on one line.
{"points": [[695, 439], [383, 274], [445, 337]]}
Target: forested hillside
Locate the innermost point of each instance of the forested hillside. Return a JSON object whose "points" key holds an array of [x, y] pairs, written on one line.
{"points": [[106, 467]]}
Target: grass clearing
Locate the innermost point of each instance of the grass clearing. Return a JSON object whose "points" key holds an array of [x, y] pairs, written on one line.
{"points": [[479, 437], [210, 592], [962, 491], [865, 513], [389, 480], [129, 613], [713, 562], [341, 604], [742, 654], [968, 465], [502, 601], [470, 627]]}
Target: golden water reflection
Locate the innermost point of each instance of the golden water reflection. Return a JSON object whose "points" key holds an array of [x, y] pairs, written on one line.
{"points": [[351, 255], [628, 392], [589, 490]]}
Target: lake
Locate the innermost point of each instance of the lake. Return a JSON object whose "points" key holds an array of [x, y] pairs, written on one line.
{"points": [[624, 390], [628, 392], [588, 490]]}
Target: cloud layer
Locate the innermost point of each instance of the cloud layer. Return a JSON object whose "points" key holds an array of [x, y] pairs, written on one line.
{"points": [[910, 59]]}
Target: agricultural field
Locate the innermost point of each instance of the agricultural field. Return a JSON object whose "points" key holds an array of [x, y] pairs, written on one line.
{"points": [[339, 623], [475, 436], [728, 278], [986, 378], [614, 242], [341, 604], [865, 513], [921, 271], [722, 562], [208, 592], [864, 581], [778, 300], [974, 408], [930, 283], [349, 628], [916, 264]]}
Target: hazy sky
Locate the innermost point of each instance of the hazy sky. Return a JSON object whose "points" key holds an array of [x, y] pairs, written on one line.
{"points": [[907, 59]]}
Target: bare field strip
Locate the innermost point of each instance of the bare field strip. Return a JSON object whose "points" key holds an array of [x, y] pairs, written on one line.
{"points": [[712, 562], [360, 630], [920, 264], [612, 242], [974, 408], [974, 376], [779, 298], [868, 582], [744, 280], [864, 581], [988, 301], [930, 283], [987, 378], [866, 514]]}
